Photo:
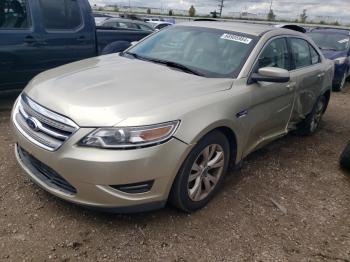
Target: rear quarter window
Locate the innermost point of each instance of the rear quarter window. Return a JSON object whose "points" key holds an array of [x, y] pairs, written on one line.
{"points": [[61, 14]]}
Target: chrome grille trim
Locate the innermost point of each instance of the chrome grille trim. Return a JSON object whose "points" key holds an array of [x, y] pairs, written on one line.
{"points": [[50, 131]]}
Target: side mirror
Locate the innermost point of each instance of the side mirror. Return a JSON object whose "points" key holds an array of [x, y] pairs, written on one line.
{"points": [[271, 74]]}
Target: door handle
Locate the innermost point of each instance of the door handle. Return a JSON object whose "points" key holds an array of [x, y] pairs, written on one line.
{"points": [[30, 39], [291, 86], [81, 38], [320, 75]]}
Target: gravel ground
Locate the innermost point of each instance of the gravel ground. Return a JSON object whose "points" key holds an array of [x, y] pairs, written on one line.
{"points": [[290, 202]]}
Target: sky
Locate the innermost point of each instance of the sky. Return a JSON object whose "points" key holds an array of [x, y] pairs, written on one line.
{"points": [[282, 8]]}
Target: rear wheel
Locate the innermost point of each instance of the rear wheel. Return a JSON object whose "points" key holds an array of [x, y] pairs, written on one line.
{"points": [[202, 173], [345, 158], [311, 123]]}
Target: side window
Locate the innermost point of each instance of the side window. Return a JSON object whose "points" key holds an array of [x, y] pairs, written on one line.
{"points": [[110, 24], [315, 57], [275, 54], [14, 14], [146, 28], [301, 52], [61, 14], [122, 25]]}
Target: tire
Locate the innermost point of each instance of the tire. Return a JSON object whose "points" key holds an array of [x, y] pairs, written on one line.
{"points": [[312, 121], [345, 158], [339, 87], [197, 182]]}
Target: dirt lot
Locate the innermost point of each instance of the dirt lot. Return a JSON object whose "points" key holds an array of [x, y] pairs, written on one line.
{"points": [[301, 175]]}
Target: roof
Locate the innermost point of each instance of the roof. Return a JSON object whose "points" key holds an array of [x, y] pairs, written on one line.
{"points": [[333, 30], [118, 19], [247, 28]]}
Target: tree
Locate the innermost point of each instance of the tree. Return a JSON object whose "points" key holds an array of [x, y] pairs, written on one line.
{"points": [[192, 11], [214, 14], [271, 15], [149, 11], [171, 12], [303, 16], [116, 9]]}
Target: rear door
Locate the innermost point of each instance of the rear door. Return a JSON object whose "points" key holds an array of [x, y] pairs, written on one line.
{"points": [[20, 43], [309, 72], [68, 31], [271, 103]]}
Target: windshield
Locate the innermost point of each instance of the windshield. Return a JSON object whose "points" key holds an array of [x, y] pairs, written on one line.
{"points": [[209, 52], [331, 41]]}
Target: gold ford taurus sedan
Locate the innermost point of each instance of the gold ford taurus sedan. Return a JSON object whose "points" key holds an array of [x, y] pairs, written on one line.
{"points": [[164, 120]]}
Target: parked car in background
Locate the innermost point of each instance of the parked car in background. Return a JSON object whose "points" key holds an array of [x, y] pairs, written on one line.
{"points": [[345, 158], [152, 19], [159, 25], [335, 45], [36, 35], [121, 23], [100, 18], [165, 118]]}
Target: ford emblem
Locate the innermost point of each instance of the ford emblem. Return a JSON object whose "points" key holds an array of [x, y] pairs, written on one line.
{"points": [[33, 123]]}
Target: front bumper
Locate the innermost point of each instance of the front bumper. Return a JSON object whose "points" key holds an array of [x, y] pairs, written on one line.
{"points": [[93, 171]]}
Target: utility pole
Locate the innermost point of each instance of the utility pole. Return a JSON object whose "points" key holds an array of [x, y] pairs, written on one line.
{"points": [[271, 5], [221, 6]]}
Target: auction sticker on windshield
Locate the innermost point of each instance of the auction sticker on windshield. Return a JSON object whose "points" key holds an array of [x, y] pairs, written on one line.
{"points": [[237, 38]]}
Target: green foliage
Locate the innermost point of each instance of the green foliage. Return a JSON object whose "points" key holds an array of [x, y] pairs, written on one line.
{"points": [[214, 14], [192, 11], [303, 16], [171, 12], [271, 16], [149, 11]]}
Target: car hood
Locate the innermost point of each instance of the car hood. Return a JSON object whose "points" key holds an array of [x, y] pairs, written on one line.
{"points": [[105, 90], [332, 55]]}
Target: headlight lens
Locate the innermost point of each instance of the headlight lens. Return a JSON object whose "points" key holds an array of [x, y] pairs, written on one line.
{"points": [[340, 60], [130, 137]]}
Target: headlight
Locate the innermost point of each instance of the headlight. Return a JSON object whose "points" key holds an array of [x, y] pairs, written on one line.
{"points": [[340, 60], [130, 137]]}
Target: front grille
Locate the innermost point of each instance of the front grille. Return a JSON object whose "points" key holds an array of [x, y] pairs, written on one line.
{"points": [[46, 174], [41, 126]]}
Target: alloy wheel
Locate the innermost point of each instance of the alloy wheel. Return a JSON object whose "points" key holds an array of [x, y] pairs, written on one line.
{"points": [[318, 114], [206, 172]]}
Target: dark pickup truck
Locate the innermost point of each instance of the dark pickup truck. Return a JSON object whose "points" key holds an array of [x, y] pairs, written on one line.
{"points": [[36, 35]]}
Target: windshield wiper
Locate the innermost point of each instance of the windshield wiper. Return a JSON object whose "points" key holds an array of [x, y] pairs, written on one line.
{"points": [[167, 63], [176, 65]]}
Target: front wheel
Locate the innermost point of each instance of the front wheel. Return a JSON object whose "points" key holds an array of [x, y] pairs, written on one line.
{"points": [[202, 173], [339, 87], [311, 123]]}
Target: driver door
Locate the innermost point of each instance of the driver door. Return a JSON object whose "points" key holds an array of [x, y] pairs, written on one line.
{"points": [[271, 103]]}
